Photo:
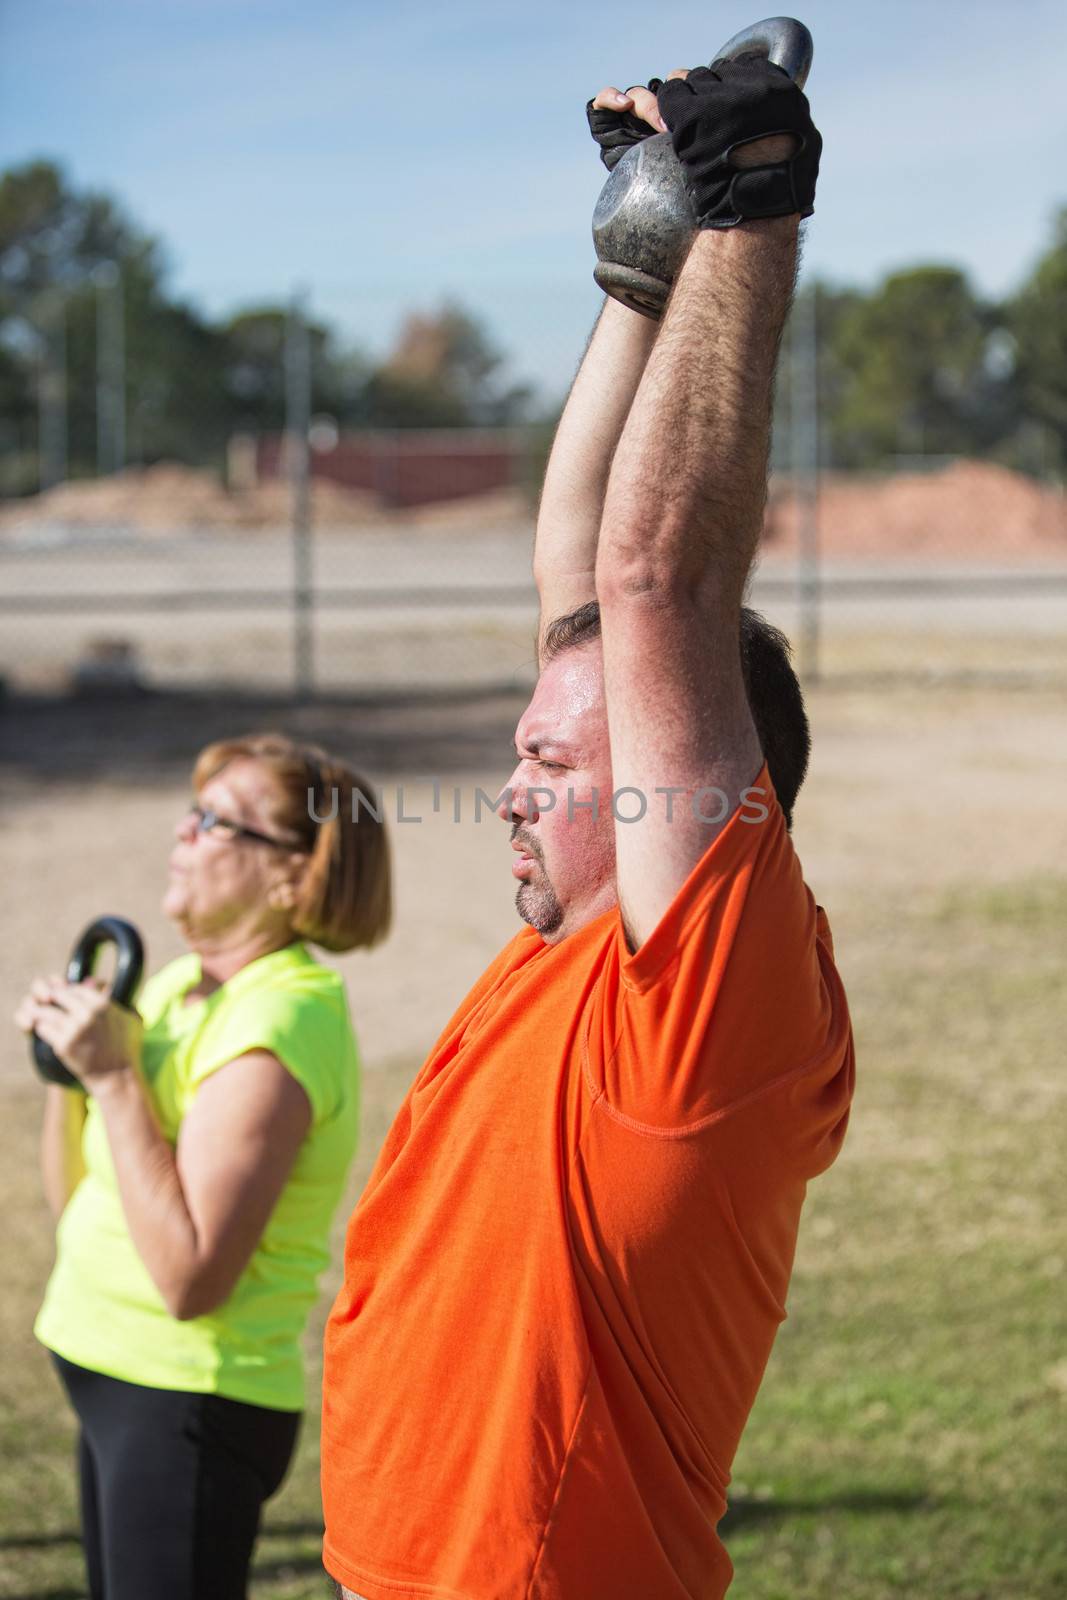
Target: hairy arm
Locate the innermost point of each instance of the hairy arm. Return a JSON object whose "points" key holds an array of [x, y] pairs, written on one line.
{"points": [[576, 478], [681, 523], [572, 497]]}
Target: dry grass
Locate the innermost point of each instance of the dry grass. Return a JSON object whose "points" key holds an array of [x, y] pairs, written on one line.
{"points": [[908, 1439]]}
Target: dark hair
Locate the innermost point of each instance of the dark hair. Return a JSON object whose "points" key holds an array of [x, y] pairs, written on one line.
{"points": [[774, 693]]}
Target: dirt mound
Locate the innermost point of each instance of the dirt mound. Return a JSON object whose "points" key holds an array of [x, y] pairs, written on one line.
{"points": [[168, 497], [269, 505], [972, 510], [495, 508]]}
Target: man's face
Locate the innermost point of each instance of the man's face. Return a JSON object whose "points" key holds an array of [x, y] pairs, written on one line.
{"points": [[565, 854]]}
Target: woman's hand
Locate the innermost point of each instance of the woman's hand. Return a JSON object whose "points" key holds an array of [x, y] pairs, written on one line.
{"points": [[94, 1038]]}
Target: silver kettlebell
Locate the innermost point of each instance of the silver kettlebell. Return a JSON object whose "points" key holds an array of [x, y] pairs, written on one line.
{"points": [[644, 219]]}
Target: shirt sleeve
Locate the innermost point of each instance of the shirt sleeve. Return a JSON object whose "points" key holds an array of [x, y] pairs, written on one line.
{"points": [[734, 996], [304, 1023], [155, 993]]}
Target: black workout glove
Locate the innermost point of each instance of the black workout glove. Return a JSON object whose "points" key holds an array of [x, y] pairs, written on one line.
{"points": [[730, 103], [616, 131]]}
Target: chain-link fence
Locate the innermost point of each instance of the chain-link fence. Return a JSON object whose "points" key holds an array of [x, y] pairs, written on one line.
{"points": [[325, 557]]}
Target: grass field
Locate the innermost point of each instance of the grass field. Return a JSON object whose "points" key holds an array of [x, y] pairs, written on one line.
{"points": [[910, 1435]]}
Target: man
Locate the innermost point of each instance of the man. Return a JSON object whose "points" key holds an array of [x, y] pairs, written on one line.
{"points": [[564, 1277]]}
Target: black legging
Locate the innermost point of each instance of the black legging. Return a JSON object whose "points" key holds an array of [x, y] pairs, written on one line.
{"points": [[171, 1486]]}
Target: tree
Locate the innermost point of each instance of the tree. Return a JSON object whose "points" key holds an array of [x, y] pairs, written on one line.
{"points": [[188, 382], [255, 344], [832, 379], [52, 237], [443, 372], [906, 370], [54, 243], [18, 420], [1037, 320]]}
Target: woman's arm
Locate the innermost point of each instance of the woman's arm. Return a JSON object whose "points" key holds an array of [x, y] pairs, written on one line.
{"points": [[62, 1167], [197, 1213]]}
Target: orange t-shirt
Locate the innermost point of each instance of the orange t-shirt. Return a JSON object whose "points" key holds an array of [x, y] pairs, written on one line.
{"points": [[565, 1274]]}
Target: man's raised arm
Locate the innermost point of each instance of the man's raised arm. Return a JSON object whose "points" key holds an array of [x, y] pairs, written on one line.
{"points": [[685, 498], [572, 498]]}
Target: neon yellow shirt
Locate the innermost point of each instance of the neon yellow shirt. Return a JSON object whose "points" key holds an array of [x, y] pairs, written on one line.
{"points": [[101, 1308]]}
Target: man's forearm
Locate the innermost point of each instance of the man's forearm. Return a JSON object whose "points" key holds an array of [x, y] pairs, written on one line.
{"points": [[572, 500], [687, 488]]}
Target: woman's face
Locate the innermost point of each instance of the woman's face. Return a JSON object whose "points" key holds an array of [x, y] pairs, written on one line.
{"points": [[222, 884]]}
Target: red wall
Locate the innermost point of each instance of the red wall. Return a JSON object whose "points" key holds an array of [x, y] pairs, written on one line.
{"points": [[410, 468]]}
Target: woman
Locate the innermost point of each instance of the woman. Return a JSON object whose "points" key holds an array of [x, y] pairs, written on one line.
{"points": [[196, 1186]]}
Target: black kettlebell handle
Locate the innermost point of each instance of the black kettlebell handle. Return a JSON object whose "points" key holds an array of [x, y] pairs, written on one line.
{"points": [[129, 964], [783, 40]]}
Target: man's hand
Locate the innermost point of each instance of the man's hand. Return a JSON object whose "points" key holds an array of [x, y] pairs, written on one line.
{"points": [[621, 118], [744, 135]]}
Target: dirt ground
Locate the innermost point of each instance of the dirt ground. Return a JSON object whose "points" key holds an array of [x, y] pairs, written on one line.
{"points": [[911, 789], [908, 1436]]}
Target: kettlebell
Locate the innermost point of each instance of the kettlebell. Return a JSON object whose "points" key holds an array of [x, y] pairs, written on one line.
{"points": [[644, 218], [129, 964]]}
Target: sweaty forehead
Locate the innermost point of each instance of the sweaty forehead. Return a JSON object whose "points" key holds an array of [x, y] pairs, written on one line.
{"points": [[567, 707]]}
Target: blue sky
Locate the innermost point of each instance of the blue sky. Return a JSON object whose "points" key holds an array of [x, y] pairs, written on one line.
{"points": [[390, 155]]}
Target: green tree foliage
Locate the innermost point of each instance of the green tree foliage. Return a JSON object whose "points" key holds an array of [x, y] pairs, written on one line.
{"points": [[905, 370], [1037, 319], [191, 382], [833, 379], [255, 368], [52, 238], [175, 403], [56, 246], [443, 372], [17, 421], [53, 244], [919, 365]]}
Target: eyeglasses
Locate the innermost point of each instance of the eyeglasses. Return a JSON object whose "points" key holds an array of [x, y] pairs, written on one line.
{"points": [[210, 822]]}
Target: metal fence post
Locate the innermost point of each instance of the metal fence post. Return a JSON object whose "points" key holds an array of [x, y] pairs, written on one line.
{"points": [[110, 369], [297, 425], [52, 391], [804, 443]]}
